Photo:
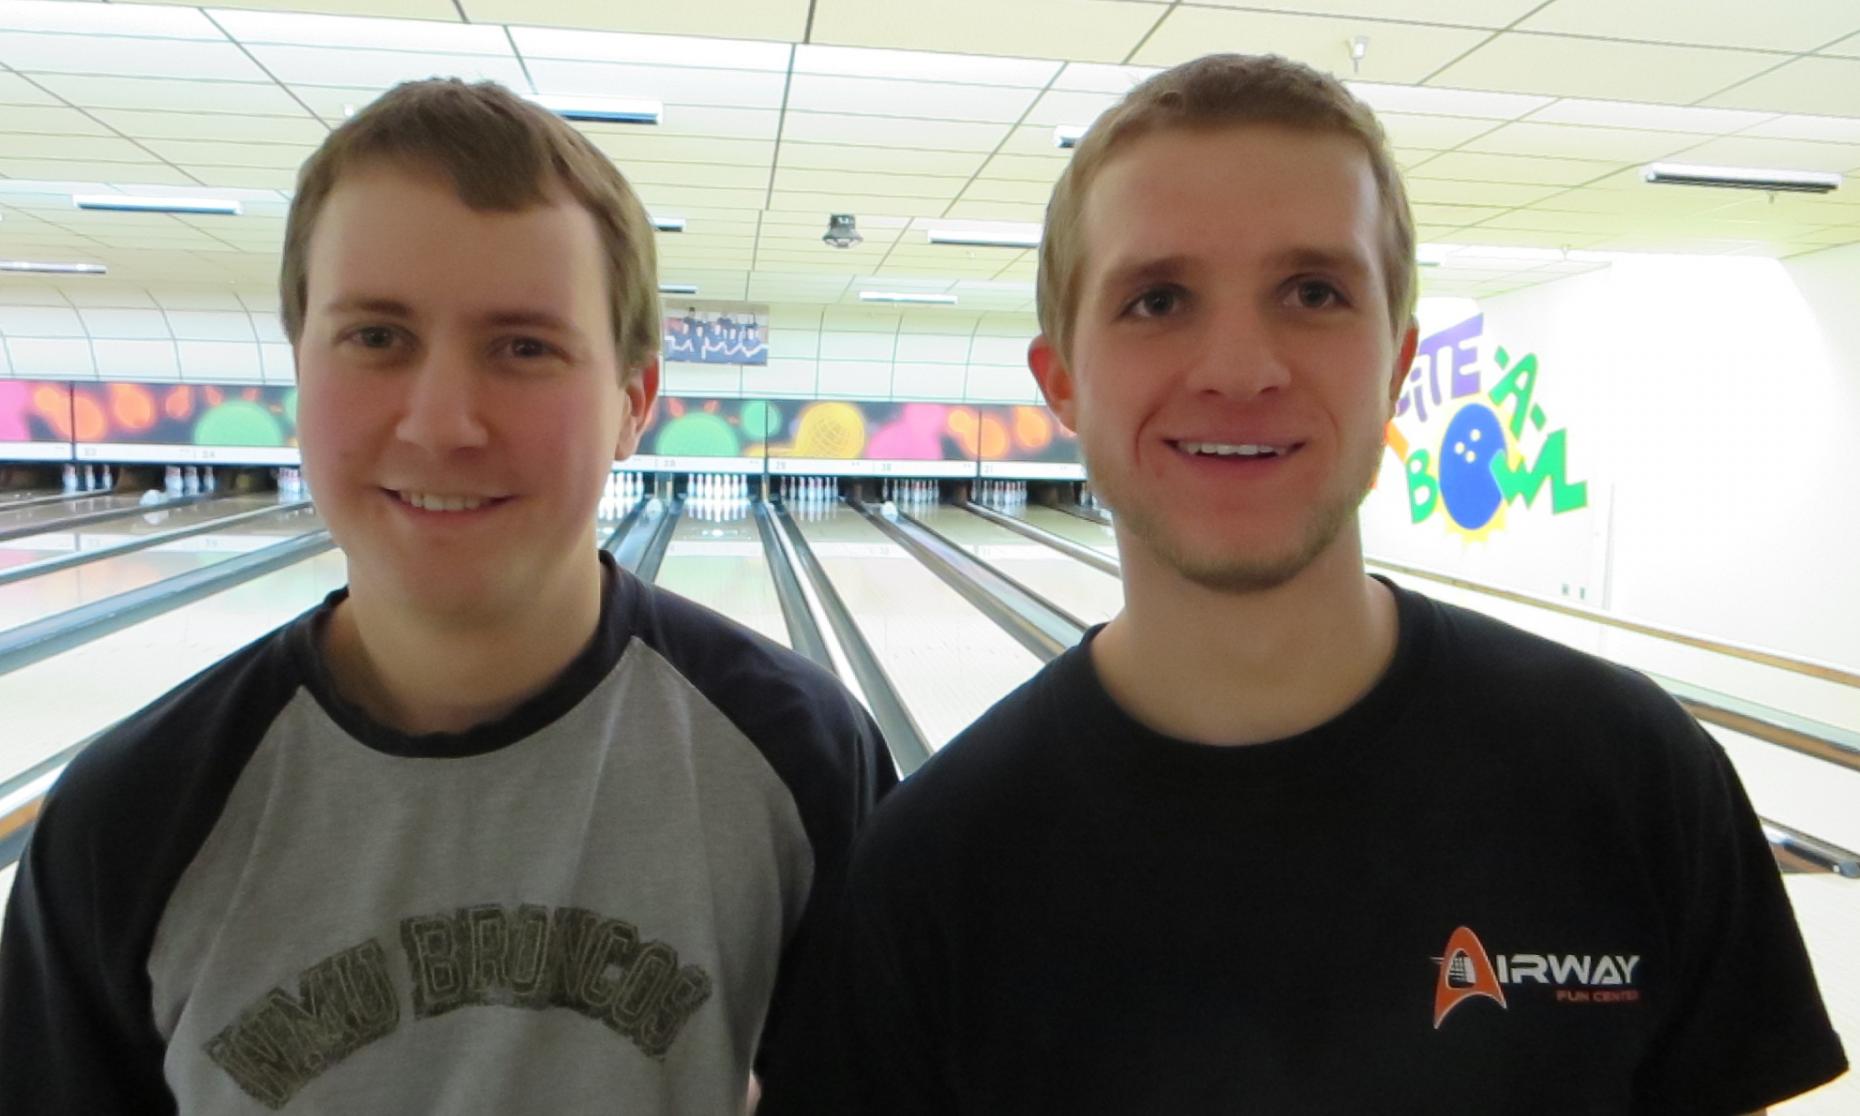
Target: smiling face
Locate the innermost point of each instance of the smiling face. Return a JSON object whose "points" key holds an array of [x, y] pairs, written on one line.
{"points": [[460, 396], [1232, 367]]}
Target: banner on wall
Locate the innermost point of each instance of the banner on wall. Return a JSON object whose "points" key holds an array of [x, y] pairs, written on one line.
{"points": [[875, 439], [1474, 446], [35, 420], [732, 335], [1021, 442], [705, 435], [213, 424]]}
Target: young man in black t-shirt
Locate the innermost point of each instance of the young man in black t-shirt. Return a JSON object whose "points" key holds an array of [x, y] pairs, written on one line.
{"points": [[1282, 837]]}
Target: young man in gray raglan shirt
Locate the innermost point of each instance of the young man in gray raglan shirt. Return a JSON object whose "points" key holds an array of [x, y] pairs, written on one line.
{"points": [[496, 828]]}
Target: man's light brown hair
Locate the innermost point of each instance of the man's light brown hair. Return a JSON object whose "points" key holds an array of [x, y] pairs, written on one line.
{"points": [[500, 153], [1217, 91]]}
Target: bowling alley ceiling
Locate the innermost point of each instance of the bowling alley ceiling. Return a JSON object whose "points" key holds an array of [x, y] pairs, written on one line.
{"points": [[1523, 125]]}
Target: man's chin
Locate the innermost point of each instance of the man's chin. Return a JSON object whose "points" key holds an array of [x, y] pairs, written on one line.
{"points": [[1240, 567]]}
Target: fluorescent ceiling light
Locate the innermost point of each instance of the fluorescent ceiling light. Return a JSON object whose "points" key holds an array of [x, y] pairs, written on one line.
{"points": [[1069, 135], [600, 110], [136, 203], [669, 224], [901, 296], [677, 288], [54, 268], [1743, 178], [980, 238]]}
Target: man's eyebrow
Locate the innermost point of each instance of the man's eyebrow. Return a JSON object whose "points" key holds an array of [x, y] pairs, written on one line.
{"points": [[1134, 273], [518, 317], [535, 319], [363, 304], [1313, 258]]}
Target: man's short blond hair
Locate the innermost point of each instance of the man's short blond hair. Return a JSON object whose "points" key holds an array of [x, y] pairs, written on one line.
{"points": [[1216, 91], [501, 153]]}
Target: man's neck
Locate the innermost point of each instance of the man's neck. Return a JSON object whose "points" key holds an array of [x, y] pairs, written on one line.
{"points": [[1246, 668], [418, 672]]}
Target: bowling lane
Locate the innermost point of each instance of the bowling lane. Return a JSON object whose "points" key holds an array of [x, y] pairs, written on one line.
{"points": [[35, 597], [56, 702], [948, 662], [715, 558], [48, 515], [33, 548], [1098, 536], [15, 495], [1090, 595]]}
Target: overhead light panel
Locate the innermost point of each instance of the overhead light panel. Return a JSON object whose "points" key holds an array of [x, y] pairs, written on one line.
{"points": [[54, 268], [678, 288], [1744, 178], [977, 238], [669, 224], [138, 203], [1069, 135], [601, 110], [902, 296]]}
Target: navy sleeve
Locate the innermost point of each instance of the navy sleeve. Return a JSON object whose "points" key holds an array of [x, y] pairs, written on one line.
{"points": [[1747, 1027], [77, 1027]]}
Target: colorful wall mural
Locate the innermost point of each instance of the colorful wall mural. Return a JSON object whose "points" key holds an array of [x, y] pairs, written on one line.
{"points": [[35, 420], [1470, 451], [901, 439], [233, 423], [1027, 442], [738, 335]]}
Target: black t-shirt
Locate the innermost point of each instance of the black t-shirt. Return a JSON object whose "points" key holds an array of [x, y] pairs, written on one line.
{"points": [[1511, 879]]}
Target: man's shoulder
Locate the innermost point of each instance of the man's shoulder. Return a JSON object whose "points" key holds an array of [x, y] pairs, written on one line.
{"points": [[148, 787]]}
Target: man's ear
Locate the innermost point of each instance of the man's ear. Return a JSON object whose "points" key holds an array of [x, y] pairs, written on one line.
{"points": [[1404, 361], [641, 389], [1055, 380]]}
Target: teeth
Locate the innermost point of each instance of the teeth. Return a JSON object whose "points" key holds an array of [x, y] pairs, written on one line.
{"points": [[428, 501], [1221, 449]]}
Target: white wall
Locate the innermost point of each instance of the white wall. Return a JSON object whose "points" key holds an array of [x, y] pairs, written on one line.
{"points": [[80, 332], [1715, 403]]}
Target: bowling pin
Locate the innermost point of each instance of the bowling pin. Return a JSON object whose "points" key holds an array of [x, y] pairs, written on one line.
{"points": [[71, 479]]}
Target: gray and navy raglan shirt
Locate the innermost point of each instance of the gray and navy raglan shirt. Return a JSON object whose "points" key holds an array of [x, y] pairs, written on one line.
{"points": [[619, 898]]}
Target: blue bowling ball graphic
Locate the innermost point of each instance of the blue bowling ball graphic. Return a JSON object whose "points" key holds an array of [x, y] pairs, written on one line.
{"points": [[1467, 486]]}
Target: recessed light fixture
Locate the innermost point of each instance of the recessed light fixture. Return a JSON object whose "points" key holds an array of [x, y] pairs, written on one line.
{"points": [[678, 288], [600, 110], [137, 203], [54, 268], [904, 296], [1743, 178], [669, 224], [1069, 135], [978, 238]]}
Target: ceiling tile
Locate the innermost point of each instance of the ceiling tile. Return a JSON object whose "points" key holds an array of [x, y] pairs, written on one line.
{"points": [[740, 176], [823, 156], [1008, 190], [928, 100], [886, 131], [1429, 101], [382, 68], [651, 50], [117, 174], [626, 145], [1815, 86], [1568, 141], [105, 19], [780, 20], [1398, 52], [1097, 77], [1078, 30], [1654, 118], [34, 53], [211, 126], [1431, 133], [272, 155], [1846, 48], [1448, 192], [673, 85], [1524, 63], [1066, 107], [1472, 167], [46, 120], [885, 185], [102, 148], [912, 65], [1463, 13], [998, 211], [1829, 129], [705, 121], [1026, 168], [419, 36], [172, 95], [1803, 26], [1743, 151]]}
